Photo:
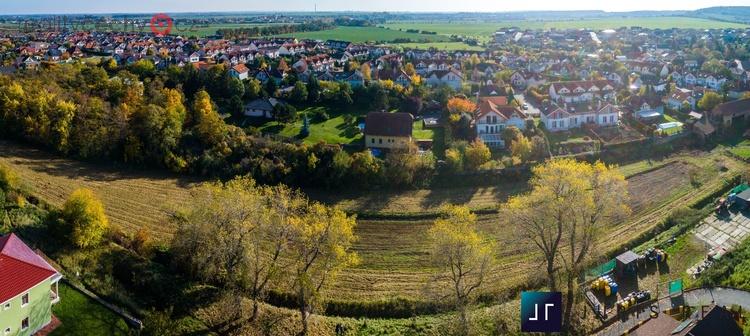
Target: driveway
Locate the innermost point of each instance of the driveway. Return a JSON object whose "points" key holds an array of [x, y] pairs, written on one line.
{"points": [[694, 297], [532, 110]]}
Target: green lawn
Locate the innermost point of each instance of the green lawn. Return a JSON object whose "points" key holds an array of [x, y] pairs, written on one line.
{"points": [[332, 131], [420, 133], [741, 149], [365, 34], [81, 316]]}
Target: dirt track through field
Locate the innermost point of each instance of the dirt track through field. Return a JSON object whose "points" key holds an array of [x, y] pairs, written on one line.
{"points": [[394, 254]]}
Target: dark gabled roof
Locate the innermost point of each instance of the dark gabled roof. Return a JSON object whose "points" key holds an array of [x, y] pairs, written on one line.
{"points": [[717, 321], [389, 124], [732, 108]]}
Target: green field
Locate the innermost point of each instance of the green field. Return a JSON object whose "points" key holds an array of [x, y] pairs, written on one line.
{"points": [[365, 34], [741, 149], [332, 131], [81, 316], [485, 30]]}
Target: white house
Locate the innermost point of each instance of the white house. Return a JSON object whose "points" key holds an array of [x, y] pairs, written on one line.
{"points": [[581, 91], [566, 117], [450, 77], [493, 116], [261, 107], [239, 71]]}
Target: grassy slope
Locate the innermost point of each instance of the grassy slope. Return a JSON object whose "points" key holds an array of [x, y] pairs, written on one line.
{"points": [[81, 316], [394, 253]]}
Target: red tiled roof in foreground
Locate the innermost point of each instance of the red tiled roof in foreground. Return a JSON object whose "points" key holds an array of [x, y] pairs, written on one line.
{"points": [[20, 268]]}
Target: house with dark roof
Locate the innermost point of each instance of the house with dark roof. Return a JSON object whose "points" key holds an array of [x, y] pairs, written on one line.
{"points": [[388, 130], [28, 288], [727, 113], [261, 107], [706, 321]]}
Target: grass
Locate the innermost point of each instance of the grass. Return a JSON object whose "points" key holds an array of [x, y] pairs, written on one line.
{"points": [[365, 34], [81, 316], [484, 30], [741, 149], [421, 133], [393, 253], [332, 131]]}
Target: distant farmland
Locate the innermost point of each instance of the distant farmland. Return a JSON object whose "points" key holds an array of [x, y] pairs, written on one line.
{"points": [[485, 29], [365, 34]]}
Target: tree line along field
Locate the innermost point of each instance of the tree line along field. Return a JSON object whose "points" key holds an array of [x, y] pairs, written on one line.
{"points": [[365, 34], [393, 253]]}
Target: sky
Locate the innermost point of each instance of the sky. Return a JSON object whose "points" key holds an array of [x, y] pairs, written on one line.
{"points": [[173, 6]]}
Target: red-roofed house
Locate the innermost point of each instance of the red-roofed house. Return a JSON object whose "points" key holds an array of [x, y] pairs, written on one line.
{"points": [[493, 116], [239, 71], [28, 288]]}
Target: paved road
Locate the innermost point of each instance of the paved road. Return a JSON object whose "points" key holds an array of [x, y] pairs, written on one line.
{"points": [[696, 297]]}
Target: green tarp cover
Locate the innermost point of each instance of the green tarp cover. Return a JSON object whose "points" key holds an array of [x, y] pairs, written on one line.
{"points": [[675, 287], [740, 188], [604, 268]]}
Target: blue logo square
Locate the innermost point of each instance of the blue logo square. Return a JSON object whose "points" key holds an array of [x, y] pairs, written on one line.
{"points": [[541, 311]]}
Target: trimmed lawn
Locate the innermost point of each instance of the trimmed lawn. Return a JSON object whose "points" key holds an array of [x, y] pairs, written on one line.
{"points": [[421, 133], [332, 131], [81, 316]]}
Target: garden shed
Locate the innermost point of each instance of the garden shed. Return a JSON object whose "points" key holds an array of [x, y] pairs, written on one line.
{"points": [[626, 263]]}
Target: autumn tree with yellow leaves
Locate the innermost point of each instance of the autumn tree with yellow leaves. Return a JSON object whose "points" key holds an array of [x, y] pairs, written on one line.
{"points": [[84, 217], [563, 214], [457, 248]]}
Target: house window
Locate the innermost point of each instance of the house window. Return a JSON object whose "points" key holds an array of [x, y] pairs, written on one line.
{"points": [[25, 324], [554, 124], [373, 140], [489, 120], [380, 141], [7, 306], [25, 300], [494, 119], [7, 331]]}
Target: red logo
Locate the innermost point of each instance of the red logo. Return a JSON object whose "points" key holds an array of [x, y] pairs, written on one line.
{"points": [[161, 24]]}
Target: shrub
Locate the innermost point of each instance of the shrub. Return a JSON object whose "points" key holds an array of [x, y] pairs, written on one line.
{"points": [[8, 178], [84, 215]]}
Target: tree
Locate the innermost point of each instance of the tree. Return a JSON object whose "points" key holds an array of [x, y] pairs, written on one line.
{"points": [[454, 160], [284, 112], [476, 154], [299, 92], [563, 214], [511, 134], [709, 101], [313, 89], [236, 234], [252, 89], [208, 124], [459, 252], [366, 72], [84, 215], [409, 69], [271, 87], [457, 106], [366, 168], [521, 148], [321, 243]]}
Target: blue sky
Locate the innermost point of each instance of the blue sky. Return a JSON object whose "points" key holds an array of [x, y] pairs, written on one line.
{"points": [[171, 6]]}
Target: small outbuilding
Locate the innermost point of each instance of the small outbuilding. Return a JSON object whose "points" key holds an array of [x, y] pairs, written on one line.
{"points": [[743, 199], [626, 263]]}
